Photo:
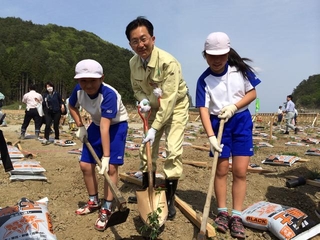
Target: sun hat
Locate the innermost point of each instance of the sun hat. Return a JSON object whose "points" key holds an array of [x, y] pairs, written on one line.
{"points": [[88, 68], [217, 43]]}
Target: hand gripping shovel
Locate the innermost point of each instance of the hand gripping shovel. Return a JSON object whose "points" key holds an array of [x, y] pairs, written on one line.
{"points": [[118, 216], [202, 233], [150, 199]]}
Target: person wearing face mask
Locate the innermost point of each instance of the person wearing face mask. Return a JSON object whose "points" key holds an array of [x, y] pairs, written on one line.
{"points": [[53, 106]]}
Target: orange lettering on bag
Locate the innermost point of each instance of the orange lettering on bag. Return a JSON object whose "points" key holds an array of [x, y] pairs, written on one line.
{"points": [[295, 212], [285, 219], [287, 232], [50, 226], [8, 211], [256, 220], [29, 206]]}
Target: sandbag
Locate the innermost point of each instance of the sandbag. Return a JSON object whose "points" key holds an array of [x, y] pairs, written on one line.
{"points": [[284, 222], [26, 220]]}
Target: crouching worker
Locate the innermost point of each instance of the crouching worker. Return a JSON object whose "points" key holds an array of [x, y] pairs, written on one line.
{"points": [[106, 133]]}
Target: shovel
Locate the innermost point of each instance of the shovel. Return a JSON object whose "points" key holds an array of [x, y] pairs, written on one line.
{"points": [[118, 216], [202, 233], [151, 200]]}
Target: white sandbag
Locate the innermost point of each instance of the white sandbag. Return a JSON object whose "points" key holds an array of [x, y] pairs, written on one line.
{"points": [[23, 177], [26, 220], [283, 160], [14, 152], [27, 168], [284, 222], [64, 143]]}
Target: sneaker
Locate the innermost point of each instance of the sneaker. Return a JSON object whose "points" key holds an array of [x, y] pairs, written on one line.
{"points": [[286, 132], [236, 228], [22, 137], [88, 208], [104, 216], [296, 130], [45, 142], [222, 221]]}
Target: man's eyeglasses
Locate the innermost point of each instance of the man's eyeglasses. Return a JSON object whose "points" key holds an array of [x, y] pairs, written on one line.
{"points": [[136, 42]]}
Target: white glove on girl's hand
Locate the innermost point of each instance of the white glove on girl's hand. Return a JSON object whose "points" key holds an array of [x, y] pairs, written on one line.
{"points": [[227, 112], [104, 165], [81, 133], [214, 144], [150, 136], [144, 105]]}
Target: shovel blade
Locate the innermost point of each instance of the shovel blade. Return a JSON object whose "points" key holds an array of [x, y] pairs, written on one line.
{"points": [[150, 201], [118, 217]]}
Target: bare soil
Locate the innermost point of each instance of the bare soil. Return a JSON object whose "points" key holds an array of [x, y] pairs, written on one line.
{"points": [[66, 191]]}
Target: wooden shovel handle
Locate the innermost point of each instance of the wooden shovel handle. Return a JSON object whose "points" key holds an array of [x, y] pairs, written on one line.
{"points": [[206, 208], [122, 203], [148, 147]]}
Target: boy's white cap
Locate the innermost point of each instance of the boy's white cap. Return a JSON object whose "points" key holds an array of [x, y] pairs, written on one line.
{"points": [[88, 68], [217, 43]]}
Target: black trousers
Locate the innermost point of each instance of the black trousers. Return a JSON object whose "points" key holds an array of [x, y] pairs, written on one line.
{"points": [[49, 117], [5, 157], [31, 114]]}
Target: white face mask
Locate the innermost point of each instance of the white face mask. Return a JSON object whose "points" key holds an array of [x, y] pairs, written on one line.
{"points": [[50, 89]]}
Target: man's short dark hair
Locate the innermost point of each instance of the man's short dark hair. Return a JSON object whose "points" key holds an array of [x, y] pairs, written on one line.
{"points": [[138, 22]]}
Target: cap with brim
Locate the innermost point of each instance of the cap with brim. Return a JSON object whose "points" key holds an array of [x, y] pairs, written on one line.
{"points": [[217, 43], [88, 68]]}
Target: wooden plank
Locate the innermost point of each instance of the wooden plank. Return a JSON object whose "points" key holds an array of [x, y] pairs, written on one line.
{"points": [[201, 148], [196, 163], [206, 165], [127, 178], [308, 181], [183, 206], [194, 217]]}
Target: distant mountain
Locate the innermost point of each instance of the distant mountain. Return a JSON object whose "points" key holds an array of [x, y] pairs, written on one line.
{"points": [[307, 94], [32, 53]]}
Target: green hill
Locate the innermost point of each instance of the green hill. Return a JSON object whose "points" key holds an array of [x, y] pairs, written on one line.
{"points": [[32, 53], [307, 94]]}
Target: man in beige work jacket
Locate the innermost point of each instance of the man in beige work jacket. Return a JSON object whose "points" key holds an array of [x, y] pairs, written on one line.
{"points": [[158, 85]]}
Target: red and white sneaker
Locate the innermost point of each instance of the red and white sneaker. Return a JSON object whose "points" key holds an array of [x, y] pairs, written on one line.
{"points": [[88, 208], [104, 216]]}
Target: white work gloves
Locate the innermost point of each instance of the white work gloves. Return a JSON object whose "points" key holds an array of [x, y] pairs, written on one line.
{"points": [[104, 165], [227, 112], [144, 105], [214, 146], [150, 136], [81, 133]]}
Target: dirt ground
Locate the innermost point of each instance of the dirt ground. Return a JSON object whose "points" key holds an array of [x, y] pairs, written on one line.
{"points": [[66, 191]]}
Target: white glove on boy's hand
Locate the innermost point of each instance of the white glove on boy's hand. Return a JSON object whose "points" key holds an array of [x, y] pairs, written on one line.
{"points": [[214, 144], [144, 105], [104, 165], [227, 112], [150, 136], [81, 133]]}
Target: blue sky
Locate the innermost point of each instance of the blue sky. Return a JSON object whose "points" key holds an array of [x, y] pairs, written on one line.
{"points": [[282, 37]]}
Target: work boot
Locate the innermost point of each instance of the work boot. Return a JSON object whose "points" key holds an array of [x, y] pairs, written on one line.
{"points": [[171, 186], [145, 184]]}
